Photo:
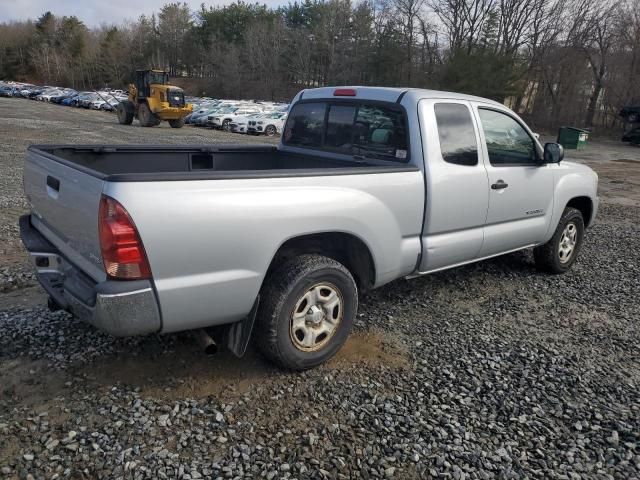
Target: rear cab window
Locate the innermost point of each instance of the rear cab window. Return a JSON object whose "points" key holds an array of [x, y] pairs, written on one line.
{"points": [[368, 129]]}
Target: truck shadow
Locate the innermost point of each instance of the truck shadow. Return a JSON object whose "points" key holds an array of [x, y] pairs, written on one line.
{"points": [[174, 367]]}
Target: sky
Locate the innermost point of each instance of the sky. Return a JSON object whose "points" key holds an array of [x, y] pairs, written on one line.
{"points": [[97, 12]]}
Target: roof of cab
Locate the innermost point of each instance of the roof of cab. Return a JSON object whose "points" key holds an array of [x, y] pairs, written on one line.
{"points": [[391, 94]]}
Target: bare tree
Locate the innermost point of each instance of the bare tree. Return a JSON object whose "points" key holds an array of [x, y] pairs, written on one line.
{"points": [[409, 15]]}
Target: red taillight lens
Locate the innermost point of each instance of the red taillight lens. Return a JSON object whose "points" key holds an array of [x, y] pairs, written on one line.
{"points": [[123, 254], [344, 92]]}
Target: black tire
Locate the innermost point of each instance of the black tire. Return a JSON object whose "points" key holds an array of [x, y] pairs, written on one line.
{"points": [[548, 256], [178, 123], [146, 117], [125, 113], [225, 125], [271, 131], [284, 290]]}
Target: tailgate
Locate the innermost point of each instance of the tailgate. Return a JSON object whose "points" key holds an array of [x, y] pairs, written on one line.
{"points": [[64, 205]]}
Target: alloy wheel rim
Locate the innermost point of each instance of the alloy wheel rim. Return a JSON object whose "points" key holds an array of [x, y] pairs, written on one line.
{"points": [[568, 241], [316, 316]]}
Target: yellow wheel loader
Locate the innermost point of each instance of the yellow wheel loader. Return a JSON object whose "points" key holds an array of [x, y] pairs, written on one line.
{"points": [[153, 99]]}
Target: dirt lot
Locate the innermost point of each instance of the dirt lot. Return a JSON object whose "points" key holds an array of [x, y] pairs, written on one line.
{"points": [[488, 371]]}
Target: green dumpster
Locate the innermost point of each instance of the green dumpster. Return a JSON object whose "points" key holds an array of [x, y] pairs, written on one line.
{"points": [[572, 137]]}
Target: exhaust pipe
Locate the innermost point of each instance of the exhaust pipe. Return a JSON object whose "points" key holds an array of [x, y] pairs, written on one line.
{"points": [[205, 341]]}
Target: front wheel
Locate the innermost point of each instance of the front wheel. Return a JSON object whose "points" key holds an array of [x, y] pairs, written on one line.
{"points": [[226, 125], [306, 312], [271, 131], [561, 252], [178, 123]]}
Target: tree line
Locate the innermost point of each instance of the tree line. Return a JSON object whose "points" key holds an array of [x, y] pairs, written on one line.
{"points": [[555, 61]]}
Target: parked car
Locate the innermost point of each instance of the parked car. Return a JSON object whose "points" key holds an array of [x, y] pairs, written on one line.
{"points": [[201, 119], [632, 136], [82, 98], [366, 186], [199, 116], [104, 98], [69, 100], [239, 125], [223, 118], [47, 94], [63, 96], [112, 103], [270, 124], [86, 100]]}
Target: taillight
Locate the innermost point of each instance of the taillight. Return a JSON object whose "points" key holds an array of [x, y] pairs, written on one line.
{"points": [[123, 254], [344, 92]]}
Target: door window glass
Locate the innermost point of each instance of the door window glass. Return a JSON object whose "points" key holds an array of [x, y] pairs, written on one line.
{"points": [[457, 136], [508, 143]]}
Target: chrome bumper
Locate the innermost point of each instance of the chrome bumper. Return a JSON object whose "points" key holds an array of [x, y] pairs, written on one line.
{"points": [[120, 308]]}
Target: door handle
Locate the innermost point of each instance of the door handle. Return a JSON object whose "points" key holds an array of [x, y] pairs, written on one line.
{"points": [[53, 183], [499, 185]]}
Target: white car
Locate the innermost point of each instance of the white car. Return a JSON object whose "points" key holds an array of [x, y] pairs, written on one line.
{"points": [[270, 124], [239, 125], [47, 94], [224, 118]]}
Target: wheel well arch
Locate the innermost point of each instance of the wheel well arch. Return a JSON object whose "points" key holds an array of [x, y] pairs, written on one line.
{"points": [[584, 205], [346, 248]]}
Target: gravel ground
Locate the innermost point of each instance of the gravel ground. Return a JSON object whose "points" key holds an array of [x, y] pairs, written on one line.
{"points": [[486, 371]]}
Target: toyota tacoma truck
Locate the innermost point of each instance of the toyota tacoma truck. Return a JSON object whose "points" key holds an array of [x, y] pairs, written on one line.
{"points": [[273, 244]]}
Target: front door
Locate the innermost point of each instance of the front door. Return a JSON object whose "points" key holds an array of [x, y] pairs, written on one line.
{"points": [[520, 188]]}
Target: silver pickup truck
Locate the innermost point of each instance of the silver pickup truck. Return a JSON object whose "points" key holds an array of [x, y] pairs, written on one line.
{"points": [[366, 186]]}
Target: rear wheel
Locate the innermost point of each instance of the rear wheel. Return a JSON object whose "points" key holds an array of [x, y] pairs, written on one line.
{"points": [[146, 116], [125, 112], [561, 252], [306, 312], [178, 123], [270, 131], [226, 125]]}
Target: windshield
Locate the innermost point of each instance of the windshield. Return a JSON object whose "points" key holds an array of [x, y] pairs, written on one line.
{"points": [[158, 77]]}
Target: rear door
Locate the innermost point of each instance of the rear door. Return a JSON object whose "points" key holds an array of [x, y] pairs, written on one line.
{"points": [[456, 182], [64, 204], [520, 189]]}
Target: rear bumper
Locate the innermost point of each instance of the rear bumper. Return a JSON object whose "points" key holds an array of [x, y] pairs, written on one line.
{"points": [[120, 308]]}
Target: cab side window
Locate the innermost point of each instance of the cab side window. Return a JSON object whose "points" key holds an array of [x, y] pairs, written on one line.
{"points": [[508, 143], [458, 142]]}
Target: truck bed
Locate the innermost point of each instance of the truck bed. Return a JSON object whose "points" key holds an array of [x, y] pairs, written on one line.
{"points": [[115, 163]]}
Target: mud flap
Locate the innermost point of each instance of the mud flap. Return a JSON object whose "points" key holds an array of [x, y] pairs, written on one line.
{"points": [[238, 334]]}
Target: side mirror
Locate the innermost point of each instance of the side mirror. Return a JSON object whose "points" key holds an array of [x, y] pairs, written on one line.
{"points": [[553, 153]]}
